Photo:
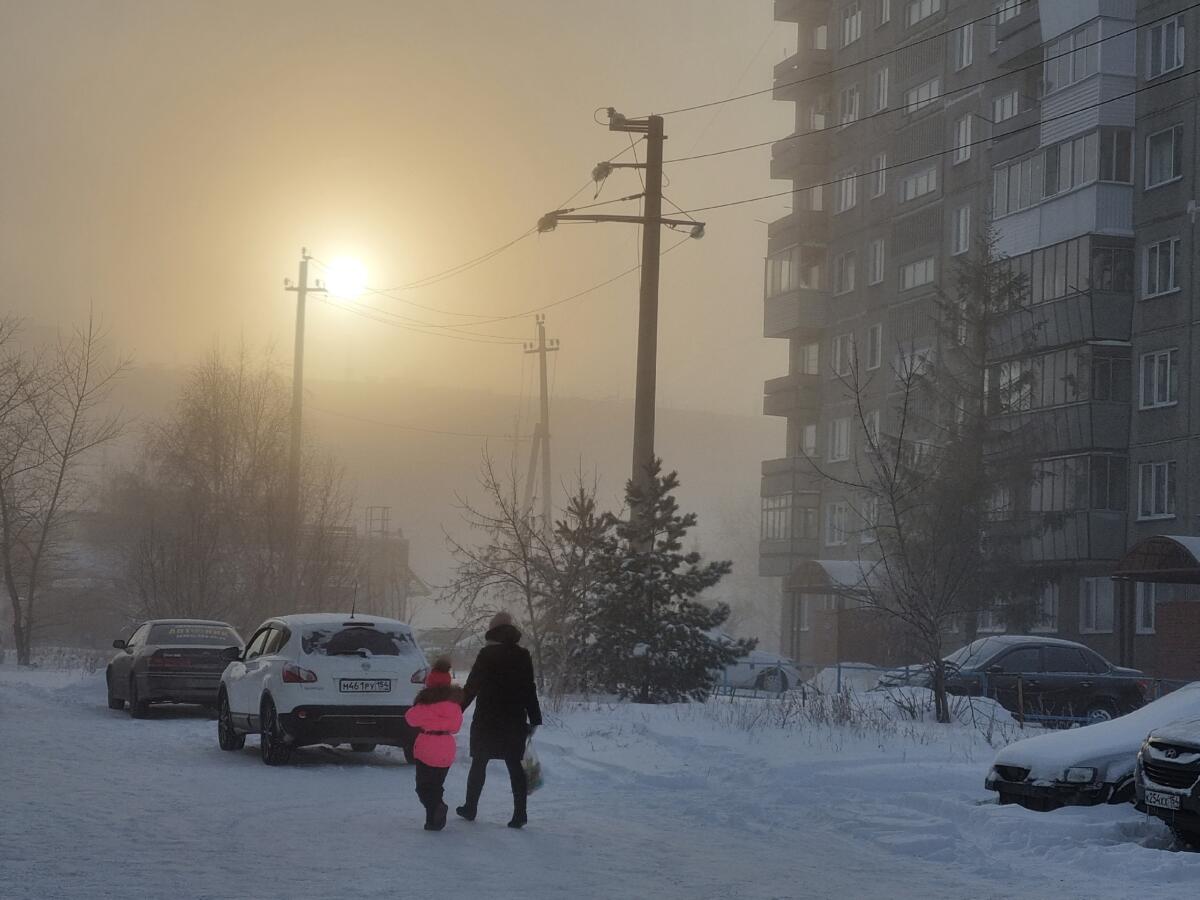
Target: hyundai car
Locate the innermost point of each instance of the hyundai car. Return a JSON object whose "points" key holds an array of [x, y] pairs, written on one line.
{"points": [[1168, 775], [169, 661], [321, 679]]}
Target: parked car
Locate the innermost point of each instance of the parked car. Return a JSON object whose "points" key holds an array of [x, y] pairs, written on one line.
{"points": [[758, 670], [169, 661], [1085, 766], [321, 679], [1038, 676], [1168, 769]]}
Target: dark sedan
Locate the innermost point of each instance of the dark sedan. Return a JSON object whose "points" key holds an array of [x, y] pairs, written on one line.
{"points": [[169, 661], [1041, 677]]}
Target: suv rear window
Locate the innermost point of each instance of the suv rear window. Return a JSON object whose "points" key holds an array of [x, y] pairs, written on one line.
{"points": [[352, 639], [191, 633]]}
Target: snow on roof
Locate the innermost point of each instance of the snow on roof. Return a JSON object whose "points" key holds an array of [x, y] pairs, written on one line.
{"points": [[1047, 755], [300, 620], [1189, 542], [186, 622], [848, 573]]}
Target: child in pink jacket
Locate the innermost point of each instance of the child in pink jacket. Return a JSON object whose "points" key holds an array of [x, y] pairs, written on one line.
{"points": [[437, 714]]}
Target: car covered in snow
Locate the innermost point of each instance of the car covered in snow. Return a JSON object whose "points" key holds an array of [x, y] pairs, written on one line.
{"points": [[169, 661], [757, 670], [1036, 675], [1085, 766], [1168, 776], [329, 678]]}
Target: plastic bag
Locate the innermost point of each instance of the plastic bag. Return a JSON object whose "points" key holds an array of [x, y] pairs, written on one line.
{"points": [[533, 769]]}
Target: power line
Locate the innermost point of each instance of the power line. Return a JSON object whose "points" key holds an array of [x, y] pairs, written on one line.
{"points": [[939, 153], [403, 427], [384, 319], [958, 90], [835, 70]]}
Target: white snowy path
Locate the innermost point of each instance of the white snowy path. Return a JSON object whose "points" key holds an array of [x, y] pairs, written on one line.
{"points": [[657, 803]]}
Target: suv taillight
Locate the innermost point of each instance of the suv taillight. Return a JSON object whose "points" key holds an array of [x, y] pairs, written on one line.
{"points": [[1144, 687], [293, 674], [419, 676]]}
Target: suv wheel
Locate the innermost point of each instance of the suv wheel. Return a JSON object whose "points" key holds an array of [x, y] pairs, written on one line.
{"points": [[138, 708], [362, 748], [114, 702], [1100, 712], [773, 682], [227, 736], [276, 751], [1187, 837]]}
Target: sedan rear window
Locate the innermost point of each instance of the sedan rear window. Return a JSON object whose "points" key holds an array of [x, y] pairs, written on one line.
{"points": [[357, 639], [192, 633]]}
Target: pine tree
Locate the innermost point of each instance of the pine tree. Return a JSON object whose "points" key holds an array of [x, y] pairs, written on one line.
{"points": [[647, 637]]}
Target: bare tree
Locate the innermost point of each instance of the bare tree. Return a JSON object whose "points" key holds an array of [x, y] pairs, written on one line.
{"points": [[51, 417]]}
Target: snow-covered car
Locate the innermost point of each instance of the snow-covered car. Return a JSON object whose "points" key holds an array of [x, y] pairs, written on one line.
{"points": [[168, 661], [1085, 766], [1167, 777], [327, 678], [1038, 675], [758, 670]]}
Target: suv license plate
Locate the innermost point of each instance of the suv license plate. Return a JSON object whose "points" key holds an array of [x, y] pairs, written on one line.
{"points": [[1161, 800], [365, 685]]}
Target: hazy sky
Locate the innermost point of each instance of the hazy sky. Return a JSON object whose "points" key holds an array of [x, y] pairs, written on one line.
{"points": [[165, 161]]}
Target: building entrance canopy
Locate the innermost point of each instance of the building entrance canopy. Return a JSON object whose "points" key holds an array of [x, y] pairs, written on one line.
{"points": [[1163, 558], [830, 576]]}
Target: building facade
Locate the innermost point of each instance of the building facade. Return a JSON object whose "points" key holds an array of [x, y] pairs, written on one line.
{"points": [[918, 123]]}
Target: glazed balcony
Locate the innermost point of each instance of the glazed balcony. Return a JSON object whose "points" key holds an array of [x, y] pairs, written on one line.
{"points": [[798, 313]]}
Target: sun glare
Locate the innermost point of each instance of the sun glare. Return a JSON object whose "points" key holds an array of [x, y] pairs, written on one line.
{"points": [[345, 278]]}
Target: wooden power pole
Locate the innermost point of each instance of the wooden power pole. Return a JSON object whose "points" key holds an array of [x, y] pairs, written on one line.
{"points": [[541, 434]]}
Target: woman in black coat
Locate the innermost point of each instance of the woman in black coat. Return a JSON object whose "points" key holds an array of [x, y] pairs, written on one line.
{"points": [[506, 712]]}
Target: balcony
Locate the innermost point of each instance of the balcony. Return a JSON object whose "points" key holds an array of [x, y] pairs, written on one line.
{"points": [[789, 475], [790, 394], [802, 157], [1079, 317], [801, 226], [1076, 536], [1095, 424], [793, 75], [798, 313]]}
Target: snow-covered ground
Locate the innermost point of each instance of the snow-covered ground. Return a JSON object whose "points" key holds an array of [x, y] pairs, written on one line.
{"points": [[705, 801]]}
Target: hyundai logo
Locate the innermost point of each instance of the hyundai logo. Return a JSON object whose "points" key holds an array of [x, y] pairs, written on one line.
{"points": [[1171, 753], [366, 666]]}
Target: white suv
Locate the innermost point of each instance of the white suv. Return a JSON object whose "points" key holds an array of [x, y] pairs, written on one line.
{"points": [[321, 679]]}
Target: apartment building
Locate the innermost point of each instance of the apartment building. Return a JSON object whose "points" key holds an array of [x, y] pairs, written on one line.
{"points": [[925, 119]]}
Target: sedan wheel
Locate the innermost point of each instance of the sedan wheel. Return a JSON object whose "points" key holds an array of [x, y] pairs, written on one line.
{"points": [[362, 748], [114, 702], [138, 708], [275, 750], [773, 682], [227, 736], [1099, 714]]}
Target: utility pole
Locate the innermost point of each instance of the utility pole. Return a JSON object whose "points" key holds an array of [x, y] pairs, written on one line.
{"points": [[651, 221], [301, 289], [541, 434]]}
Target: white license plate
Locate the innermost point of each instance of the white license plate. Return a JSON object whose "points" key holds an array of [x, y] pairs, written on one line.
{"points": [[365, 685], [1161, 800]]}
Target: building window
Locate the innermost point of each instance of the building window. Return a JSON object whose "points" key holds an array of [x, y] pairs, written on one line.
{"points": [[1017, 185], [843, 351], [960, 240], [878, 174], [1156, 490], [1161, 269], [1108, 482], [1045, 611], [1005, 106], [1164, 156], [918, 184], [848, 101], [1007, 10], [1164, 47], [808, 359], [915, 274], [919, 10], [870, 519], [1160, 378], [879, 89], [795, 267], [990, 620], [852, 21], [843, 272], [1112, 269], [1116, 155], [801, 607], [922, 95], [875, 346], [871, 428], [808, 441], [776, 518], [1147, 597], [1096, 606], [964, 46], [1072, 58], [962, 139], [875, 260], [839, 440], [845, 191], [1070, 164], [835, 523], [885, 12]]}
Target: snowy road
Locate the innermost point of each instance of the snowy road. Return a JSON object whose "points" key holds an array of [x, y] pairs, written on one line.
{"points": [[638, 803]]}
